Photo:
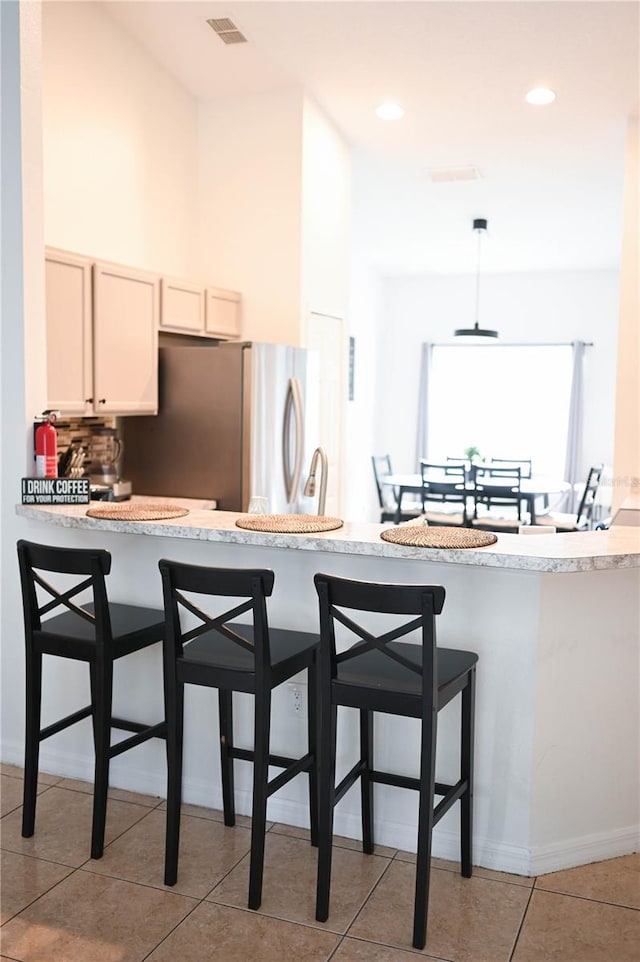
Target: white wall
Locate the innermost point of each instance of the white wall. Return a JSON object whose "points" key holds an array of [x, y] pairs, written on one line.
{"points": [[361, 500], [23, 362], [627, 442], [326, 214], [551, 307], [120, 145], [250, 182]]}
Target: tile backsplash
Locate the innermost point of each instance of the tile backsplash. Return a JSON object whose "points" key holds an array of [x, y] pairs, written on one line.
{"points": [[79, 430]]}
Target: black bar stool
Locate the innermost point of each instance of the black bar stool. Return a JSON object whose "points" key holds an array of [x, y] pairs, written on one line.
{"points": [[232, 657], [95, 631], [378, 673]]}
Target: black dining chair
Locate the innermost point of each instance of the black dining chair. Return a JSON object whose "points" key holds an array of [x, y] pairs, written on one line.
{"points": [[583, 519], [378, 673], [525, 465], [387, 495], [497, 499], [444, 493], [95, 631], [218, 652]]}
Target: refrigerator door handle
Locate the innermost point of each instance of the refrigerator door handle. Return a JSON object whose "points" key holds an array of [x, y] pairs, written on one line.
{"points": [[293, 405]]}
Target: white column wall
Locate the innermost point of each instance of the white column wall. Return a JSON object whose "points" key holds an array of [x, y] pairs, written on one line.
{"points": [[326, 214], [627, 436], [22, 358], [250, 186], [586, 780], [361, 436]]}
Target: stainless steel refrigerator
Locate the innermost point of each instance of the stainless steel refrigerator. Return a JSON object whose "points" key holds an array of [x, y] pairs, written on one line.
{"points": [[235, 421]]}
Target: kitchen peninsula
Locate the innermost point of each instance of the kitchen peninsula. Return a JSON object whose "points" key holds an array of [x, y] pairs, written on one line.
{"points": [[554, 618]]}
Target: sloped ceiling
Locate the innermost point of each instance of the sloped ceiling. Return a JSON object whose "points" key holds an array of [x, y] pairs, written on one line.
{"points": [[551, 177]]}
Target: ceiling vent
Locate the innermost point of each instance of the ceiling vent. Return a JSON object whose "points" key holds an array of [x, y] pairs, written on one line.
{"points": [[447, 175], [227, 30]]}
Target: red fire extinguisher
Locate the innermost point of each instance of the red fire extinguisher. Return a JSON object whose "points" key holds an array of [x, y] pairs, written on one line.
{"points": [[46, 441]]}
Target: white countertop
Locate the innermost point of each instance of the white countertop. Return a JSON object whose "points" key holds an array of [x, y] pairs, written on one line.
{"points": [[584, 551]]}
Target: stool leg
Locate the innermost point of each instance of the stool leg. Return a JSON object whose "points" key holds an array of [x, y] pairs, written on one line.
{"points": [[103, 689], [366, 785], [175, 723], [326, 803], [32, 741], [225, 713], [425, 826], [262, 722], [312, 734], [466, 772]]}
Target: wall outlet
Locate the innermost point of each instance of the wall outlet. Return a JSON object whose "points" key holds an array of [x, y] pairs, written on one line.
{"points": [[297, 702]]}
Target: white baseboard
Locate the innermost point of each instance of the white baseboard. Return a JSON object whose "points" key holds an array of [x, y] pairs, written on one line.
{"points": [[488, 853], [581, 851]]}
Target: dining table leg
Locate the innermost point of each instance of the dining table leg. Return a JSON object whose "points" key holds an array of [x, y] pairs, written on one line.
{"points": [[399, 493], [531, 504]]}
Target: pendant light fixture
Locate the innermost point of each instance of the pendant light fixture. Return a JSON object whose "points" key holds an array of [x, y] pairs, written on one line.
{"points": [[479, 226]]}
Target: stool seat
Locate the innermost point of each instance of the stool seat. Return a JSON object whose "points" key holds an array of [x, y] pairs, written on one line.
{"points": [[132, 628], [289, 652], [375, 671], [94, 631]]}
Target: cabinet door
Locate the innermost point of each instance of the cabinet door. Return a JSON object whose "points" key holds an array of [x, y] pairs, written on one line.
{"points": [[125, 332], [69, 333], [181, 307], [222, 315]]}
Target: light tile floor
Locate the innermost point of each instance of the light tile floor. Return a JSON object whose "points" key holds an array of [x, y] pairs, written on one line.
{"points": [[59, 906]]}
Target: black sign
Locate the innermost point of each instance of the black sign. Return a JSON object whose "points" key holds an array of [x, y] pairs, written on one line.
{"points": [[55, 491]]}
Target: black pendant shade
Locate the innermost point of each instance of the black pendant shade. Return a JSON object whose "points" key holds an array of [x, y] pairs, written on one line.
{"points": [[475, 331], [479, 226]]}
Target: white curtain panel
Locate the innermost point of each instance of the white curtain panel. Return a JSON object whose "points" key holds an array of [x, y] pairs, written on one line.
{"points": [[422, 447], [573, 459]]}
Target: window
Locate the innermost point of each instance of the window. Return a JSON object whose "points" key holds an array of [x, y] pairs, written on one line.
{"points": [[509, 402]]}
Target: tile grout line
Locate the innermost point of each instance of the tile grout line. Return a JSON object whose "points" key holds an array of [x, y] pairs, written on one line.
{"points": [[111, 798], [39, 858], [165, 937], [46, 891], [366, 900], [20, 804], [521, 926], [587, 898]]}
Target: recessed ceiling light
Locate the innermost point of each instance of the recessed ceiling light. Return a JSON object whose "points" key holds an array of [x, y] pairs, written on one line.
{"points": [[540, 96], [389, 111]]}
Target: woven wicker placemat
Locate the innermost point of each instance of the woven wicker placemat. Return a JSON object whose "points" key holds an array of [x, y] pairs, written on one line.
{"points": [[136, 512], [423, 536], [289, 523]]}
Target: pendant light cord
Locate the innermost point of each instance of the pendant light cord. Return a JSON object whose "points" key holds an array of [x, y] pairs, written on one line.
{"points": [[479, 233]]}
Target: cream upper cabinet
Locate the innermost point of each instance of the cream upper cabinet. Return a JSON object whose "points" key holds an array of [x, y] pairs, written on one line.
{"points": [[222, 313], [181, 306], [188, 308], [126, 314], [102, 336], [69, 333], [102, 331]]}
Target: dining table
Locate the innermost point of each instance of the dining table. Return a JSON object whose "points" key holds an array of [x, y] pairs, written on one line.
{"points": [[531, 489]]}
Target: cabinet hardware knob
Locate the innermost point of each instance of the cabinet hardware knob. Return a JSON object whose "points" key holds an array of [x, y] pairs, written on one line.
{"points": [[88, 400], [102, 400]]}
